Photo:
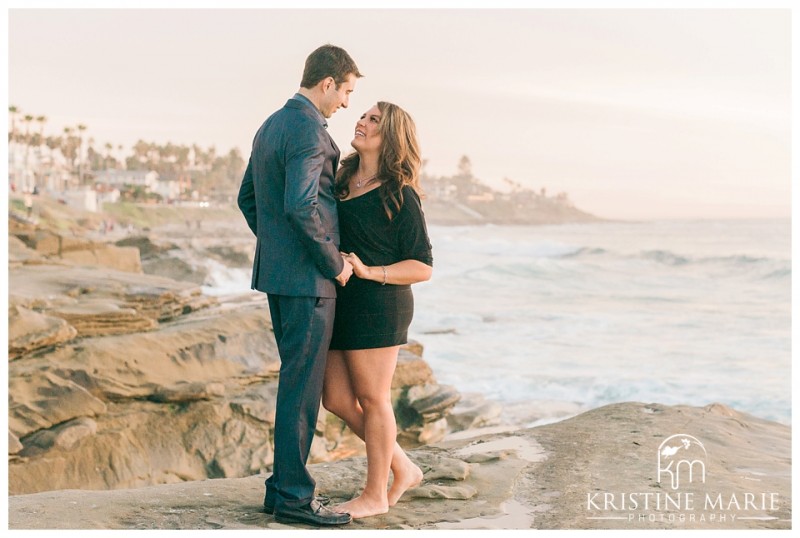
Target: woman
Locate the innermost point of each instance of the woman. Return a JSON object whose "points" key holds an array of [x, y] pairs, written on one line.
{"points": [[383, 235]]}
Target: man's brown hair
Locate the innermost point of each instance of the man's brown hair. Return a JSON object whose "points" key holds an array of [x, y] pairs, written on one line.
{"points": [[328, 61]]}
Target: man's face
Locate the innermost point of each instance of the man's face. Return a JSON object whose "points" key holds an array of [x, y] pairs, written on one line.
{"points": [[334, 98]]}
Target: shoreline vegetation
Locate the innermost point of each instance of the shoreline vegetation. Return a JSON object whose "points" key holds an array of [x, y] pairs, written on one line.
{"points": [[138, 401]]}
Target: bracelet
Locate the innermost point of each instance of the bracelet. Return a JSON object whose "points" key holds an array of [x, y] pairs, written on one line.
{"points": [[384, 275]]}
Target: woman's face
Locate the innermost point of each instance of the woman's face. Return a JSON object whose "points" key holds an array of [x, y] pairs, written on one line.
{"points": [[367, 134]]}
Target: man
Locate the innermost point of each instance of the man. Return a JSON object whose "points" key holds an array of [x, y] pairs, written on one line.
{"points": [[288, 201]]}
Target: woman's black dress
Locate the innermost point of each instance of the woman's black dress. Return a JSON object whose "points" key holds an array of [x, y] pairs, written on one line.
{"points": [[369, 314]]}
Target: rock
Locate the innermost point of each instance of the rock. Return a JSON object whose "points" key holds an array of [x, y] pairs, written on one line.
{"points": [[411, 368], [119, 258], [157, 298], [413, 347], [19, 253], [187, 392], [420, 410], [258, 404], [723, 410], [44, 400], [476, 412], [432, 400], [191, 353], [100, 318], [435, 491], [29, 331], [14, 445], [147, 247], [44, 242], [430, 432], [64, 436], [136, 444], [179, 386], [165, 304], [246, 450], [19, 223], [233, 256], [81, 251], [164, 259], [73, 243], [541, 481], [175, 268], [436, 466], [199, 403]]}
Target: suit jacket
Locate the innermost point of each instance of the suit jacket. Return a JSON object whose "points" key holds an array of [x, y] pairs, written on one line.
{"points": [[288, 201]]}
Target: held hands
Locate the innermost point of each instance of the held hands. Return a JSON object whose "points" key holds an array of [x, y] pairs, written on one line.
{"points": [[347, 272], [359, 269]]}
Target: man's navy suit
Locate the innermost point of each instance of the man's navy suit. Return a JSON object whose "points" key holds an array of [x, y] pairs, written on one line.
{"points": [[287, 197]]}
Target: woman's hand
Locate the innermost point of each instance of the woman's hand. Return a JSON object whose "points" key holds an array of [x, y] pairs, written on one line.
{"points": [[359, 269], [399, 273]]}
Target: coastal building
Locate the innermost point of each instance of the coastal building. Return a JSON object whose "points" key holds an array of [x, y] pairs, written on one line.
{"points": [[83, 198], [136, 178], [168, 189]]}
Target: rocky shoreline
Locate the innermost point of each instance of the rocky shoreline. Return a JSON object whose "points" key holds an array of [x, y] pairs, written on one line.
{"points": [[123, 373], [138, 401], [567, 475]]}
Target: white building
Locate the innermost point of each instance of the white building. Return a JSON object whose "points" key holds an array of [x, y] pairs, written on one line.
{"points": [[118, 178], [110, 196], [84, 198], [168, 189]]}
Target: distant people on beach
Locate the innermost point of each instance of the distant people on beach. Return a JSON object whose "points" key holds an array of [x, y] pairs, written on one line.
{"points": [[106, 226], [28, 201], [287, 198], [384, 236]]}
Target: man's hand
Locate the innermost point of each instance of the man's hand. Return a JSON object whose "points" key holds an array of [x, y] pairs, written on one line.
{"points": [[346, 273]]}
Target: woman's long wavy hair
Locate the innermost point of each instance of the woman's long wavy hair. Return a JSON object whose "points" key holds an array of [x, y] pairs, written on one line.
{"points": [[399, 160]]}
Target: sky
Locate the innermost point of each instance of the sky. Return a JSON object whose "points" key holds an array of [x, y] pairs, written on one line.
{"points": [[636, 114]]}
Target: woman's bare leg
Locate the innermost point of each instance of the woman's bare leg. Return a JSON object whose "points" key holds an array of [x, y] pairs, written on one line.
{"points": [[371, 372], [339, 398]]}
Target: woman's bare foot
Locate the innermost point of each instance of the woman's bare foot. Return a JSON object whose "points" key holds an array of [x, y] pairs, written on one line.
{"points": [[363, 507], [411, 477]]}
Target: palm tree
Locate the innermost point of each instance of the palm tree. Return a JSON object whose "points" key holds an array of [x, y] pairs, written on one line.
{"points": [[13, 111], [68, 148], [27, 119], [108, 146], [91, 155], [140, 149], [81, 128], [12, 137], [152, 156], [53, 143], [197, 157], [41, 120]]}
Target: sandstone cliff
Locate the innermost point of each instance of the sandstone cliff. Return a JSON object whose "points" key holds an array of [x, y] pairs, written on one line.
{"points": [[121, 379]]}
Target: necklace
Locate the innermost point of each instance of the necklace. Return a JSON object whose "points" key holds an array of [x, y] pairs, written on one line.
{"points": [[362, 181]]}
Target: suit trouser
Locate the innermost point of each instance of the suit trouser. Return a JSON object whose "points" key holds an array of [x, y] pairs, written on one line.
{"points": [[303, 327]]}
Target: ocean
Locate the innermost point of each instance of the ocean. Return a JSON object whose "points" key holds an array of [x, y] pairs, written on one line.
{"points": [[674, 312]]}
